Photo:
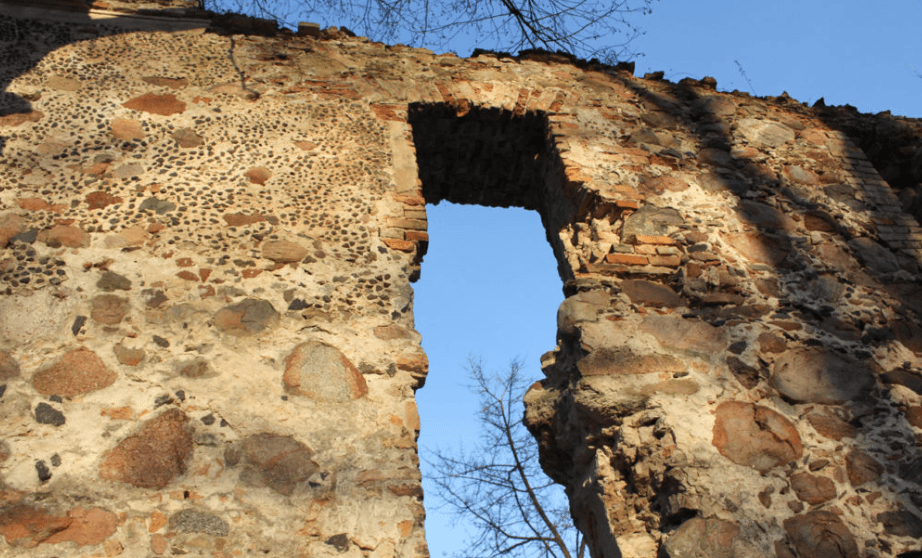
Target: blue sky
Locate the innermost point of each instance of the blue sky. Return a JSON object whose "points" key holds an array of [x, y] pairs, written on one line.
{"points": [[489, 284]]}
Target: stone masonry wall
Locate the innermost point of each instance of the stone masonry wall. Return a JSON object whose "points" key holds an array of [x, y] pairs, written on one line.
{"points": [[207, 346]]}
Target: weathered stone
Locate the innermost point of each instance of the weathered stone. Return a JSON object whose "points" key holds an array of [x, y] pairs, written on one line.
{"points": [[154, 455], [28, 526], [764, 218], [127, 355], [622, 360], [64, 235], [652, 221], [771, 343], [901, 524], [111, 281], [862, 468], [127, 129], [186, 138], [157, 205], [101, 200], [758, 248], [164, 105], [904, 378], [796, 173], [820, 376], [764, 133], [831, 427], [78, 371], [283, 251], [109, 309], [247, 317], [745, 374], [692, 336], [665, 183], [272, 460], [874, 255], [698, 537], [259, 175], [755, 436], [820, 534], [9, 368], [715, 157], [241, 219], [323, 373], [195, 521], [393, 332], [197, 368], [813, 489], [641, 291]]}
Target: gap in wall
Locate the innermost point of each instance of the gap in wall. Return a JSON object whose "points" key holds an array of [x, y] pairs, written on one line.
{"points": [[488, 288]]}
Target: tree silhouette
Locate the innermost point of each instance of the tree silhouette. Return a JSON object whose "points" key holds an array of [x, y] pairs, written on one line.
{"points": [[585, 28], [499, 487]]}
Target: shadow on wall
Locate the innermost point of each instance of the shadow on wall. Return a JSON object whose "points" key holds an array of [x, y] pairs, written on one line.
{"points": [[29, 32]]}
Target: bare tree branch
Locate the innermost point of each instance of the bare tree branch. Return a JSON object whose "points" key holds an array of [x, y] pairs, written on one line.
{"points": [[585, 28], [499, 486]]}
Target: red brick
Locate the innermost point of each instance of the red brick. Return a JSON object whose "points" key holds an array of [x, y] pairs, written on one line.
{"points": [[417, 235], [648, 239], [402, 245], [627, 259]]}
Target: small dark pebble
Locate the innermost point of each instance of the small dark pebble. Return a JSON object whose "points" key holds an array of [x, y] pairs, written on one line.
{"points": [[2, 389], [223, 423], [207, 420], [181, 395], [56, 398], [340, 542], [161, 341], [163, 400], [55, 460], [78, 324], [297, 304], [46, 414], [43, 472]]}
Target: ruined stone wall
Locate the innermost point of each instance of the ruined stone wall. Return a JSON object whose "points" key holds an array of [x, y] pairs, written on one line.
{"points": [[207, 244]]}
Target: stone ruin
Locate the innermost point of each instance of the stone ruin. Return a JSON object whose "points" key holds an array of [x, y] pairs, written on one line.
{"points": [[208, 233]]}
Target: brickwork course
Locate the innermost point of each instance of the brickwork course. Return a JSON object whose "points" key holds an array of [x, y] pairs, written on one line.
{"points": [[209, 231]]}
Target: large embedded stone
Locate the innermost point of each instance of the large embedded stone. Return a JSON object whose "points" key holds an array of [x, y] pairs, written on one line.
{"points": [[862, 468], [691, 336], [154, 455], [77, 372], [755, 436], [9, 368], [323, 373], [650, 220], [272, 460], [64, 235], [820, 376], [28, 526], [874, 255], [831, 427], [30, 317], [127, 129], [901, 524], [650, 293], [698, 537], [813, 489], [759, 248], [820, 534], [164, 105], [764, 133], [764, 217], [624, 361], [109, 309], [283, 251], [247, 317]]}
